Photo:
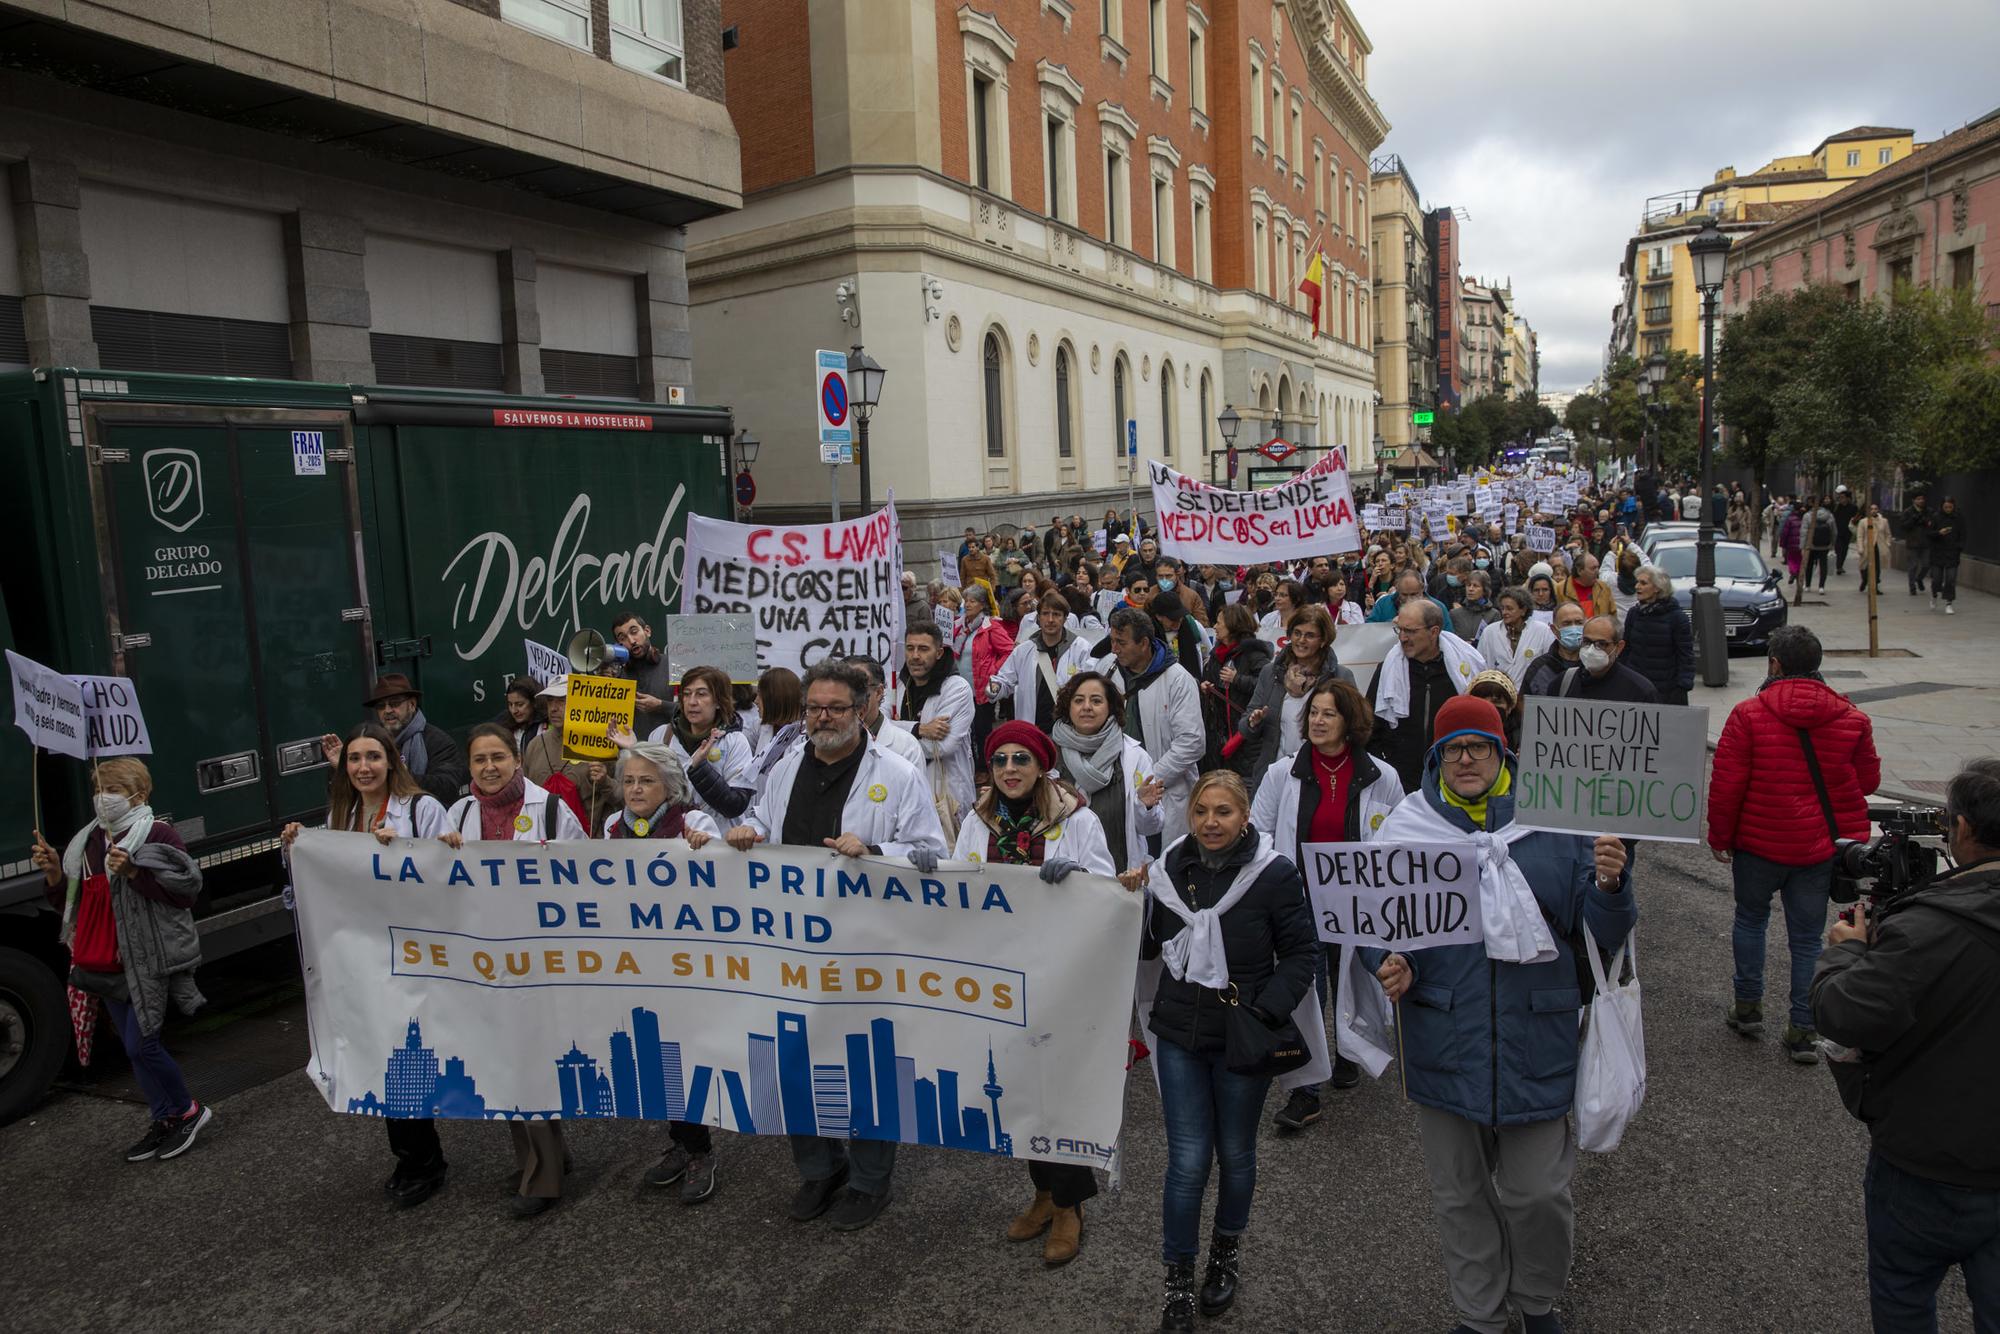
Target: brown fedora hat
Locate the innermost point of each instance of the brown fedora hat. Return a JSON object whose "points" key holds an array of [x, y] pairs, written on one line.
{"points": [[390, 686]]}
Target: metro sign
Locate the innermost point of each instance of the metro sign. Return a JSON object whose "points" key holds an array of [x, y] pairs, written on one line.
{"points": [[1277, 449]]}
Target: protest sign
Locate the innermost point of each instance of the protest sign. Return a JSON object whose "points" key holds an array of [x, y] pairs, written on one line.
{"points": [[1541, 539], [819, 590], [1373, 517], [595, 707], [544, 663], [714, 640], [112, 722], [948, 566], [48, 706], [1635, 770], [1395, 896], [1311, 515], [781, 991]]}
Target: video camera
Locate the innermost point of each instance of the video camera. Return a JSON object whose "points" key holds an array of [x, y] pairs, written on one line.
{"points": [[1893, 862]]}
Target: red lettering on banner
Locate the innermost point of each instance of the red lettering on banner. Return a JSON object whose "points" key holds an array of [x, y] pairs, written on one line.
{"points": [[758, 546], [860, 541], [586, 421]]}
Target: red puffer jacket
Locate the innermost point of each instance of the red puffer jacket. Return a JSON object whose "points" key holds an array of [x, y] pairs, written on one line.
{"points": [[1761, 798]]}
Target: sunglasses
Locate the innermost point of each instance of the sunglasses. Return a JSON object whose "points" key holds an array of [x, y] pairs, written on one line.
{"points": [[1002, 759]]}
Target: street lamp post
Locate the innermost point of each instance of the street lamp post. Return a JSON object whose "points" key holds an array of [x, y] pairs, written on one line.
{"points": [[1229, 423], [1710, 252], [864, 388], [1380, 446], [1656, 406], [747, 447]]}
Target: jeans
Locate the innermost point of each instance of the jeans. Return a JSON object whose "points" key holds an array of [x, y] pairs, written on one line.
{"points": [[159, 1078], [1803, 890], [1815, 560], [1944, 581], [868, 1161], [1841, 538], [1212, 1115], [1919, 562], [1917, 1229]]}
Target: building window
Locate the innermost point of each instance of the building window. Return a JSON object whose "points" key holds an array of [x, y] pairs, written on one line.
{"points": [[1961, 270], [1882, 155], [646, 36], [1298, 272], [1277, 116], [1110, 13], [1853, 290], [565, 20], [1163, 221], [1207, 416], [1256, 100], [1117, 202], [1853, 157], [1298, 137], [1319, 181], [1167, 410], [1156, 37], [1901, 274], [996, 420], [1259, 252], [1061, 177], [1197, 69], [1203, 261], [1118, 406], [1065, 434], [982, 132]]}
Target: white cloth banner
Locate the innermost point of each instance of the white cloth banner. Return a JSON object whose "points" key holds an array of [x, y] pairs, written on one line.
{"points": [[48, 706], [818, 590], [782, 991], [1311, 515]]}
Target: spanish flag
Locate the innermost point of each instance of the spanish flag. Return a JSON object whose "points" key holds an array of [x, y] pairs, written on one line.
{"points": [[1312, 284]]}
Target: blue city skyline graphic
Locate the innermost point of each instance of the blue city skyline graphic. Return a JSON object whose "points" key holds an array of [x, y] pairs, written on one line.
{"points": [[873, 1093]]}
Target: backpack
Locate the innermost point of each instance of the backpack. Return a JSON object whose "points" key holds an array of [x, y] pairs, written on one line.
{"points": [[1822, 529]]}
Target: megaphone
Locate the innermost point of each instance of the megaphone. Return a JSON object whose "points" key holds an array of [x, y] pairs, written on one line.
{"points": [[588, 651]]}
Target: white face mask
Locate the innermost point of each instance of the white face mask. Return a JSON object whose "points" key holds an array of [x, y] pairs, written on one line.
{"points": [[1595, 659], [111, 808]]}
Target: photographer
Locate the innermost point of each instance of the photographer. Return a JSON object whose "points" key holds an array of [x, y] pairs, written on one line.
{"points": [[1920, 1003]]}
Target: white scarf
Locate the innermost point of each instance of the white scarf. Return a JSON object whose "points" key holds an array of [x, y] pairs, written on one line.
{"points": [[129, 833], [1515, 929], [1195, 954], [1392, 696]]}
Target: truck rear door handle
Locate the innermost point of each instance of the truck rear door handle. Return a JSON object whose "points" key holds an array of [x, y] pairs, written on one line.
{"points": [[298, 756], [226, 771]]}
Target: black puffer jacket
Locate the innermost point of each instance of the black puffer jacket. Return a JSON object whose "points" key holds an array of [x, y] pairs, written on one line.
{"points": [[1268, 937], [1659, 644]]}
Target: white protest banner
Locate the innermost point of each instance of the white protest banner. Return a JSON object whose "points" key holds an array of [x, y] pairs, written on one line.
{"points": [[1311, 515], [1541, 539], [948, 566], [112, 722], [1373, 517], [781, 991], [544, 663], [1510, 516], [1635, 770], [48, 706], [715, 640], [1395, 896], [816, 590]]}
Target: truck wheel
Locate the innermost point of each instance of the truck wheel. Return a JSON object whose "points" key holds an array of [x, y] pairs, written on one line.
{"points": [[34, 1031]]}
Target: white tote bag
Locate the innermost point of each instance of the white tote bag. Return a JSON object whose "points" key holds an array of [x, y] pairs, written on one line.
{"points": [[1611, 1068]]}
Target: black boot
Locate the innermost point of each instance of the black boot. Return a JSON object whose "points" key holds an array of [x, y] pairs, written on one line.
{"points": [[1225, 1269], [1177, 1312]]}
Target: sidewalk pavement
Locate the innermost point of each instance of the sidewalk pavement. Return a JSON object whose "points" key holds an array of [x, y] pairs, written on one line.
{"points": [[1933, 694]]}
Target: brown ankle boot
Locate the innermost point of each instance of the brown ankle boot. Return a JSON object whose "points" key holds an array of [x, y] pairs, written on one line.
{"points": [[1034, 1219], [1065, 1237]]}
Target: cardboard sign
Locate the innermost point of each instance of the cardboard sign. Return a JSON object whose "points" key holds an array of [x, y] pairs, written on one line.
{"points": [[1635, 770], [948, 566], [714, 640], [544, 663], [594, 708], [112, 722], [1541, 539], [1395, 896], [1311, 515], [48, 706]]}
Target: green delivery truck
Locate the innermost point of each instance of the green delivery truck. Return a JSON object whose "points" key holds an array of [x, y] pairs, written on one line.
{"points": [[252, 554]]}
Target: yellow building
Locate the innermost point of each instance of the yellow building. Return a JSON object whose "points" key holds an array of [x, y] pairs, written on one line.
{"points": [[1660, 309], [1406, 372]]}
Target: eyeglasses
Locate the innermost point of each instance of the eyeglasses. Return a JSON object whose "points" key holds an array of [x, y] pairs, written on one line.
{"points": [[1599, 643], [828, 710], [1457, 751], [1003, 759]]}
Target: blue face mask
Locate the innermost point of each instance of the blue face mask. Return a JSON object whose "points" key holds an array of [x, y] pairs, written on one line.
{"points": [[1166, 585], [1452, 580], [1570, 636], [1482, 563]]}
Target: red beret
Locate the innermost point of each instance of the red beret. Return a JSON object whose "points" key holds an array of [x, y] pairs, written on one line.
{"points": [[1028, 737]]}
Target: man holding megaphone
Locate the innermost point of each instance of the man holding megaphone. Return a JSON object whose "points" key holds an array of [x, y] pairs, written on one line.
{"points": [[646, 665]]}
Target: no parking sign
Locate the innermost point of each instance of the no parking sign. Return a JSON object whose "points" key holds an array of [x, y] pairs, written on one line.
{"points": [[836, 431]]}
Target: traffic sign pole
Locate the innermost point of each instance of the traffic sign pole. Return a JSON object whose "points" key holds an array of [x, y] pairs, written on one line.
{"points": [[832, 413], [1132, 476]]}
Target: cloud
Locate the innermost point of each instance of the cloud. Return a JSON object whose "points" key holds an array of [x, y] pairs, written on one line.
{"points": [[1551, 121]]}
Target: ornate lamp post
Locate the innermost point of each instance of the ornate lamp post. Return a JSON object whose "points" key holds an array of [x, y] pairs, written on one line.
{"points": [[1710, 252], [1229, 423], [864, 389]]}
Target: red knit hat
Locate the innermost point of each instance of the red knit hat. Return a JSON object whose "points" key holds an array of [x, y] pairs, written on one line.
{"points": [[1469, 715], [1029, 738]]}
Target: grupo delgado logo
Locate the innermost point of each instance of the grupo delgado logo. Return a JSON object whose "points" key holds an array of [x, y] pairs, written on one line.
{"points": [[173, 487]]}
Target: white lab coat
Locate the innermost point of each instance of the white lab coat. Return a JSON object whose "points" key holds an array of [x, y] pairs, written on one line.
{"points": [[1536, 639], [695, 820], [889, 806], [1024, 665], [1172, 732], [951, 757], [464, 817], [1141, 820], [731, 753], [1275, 811], [420, 816], [1077, 837]]}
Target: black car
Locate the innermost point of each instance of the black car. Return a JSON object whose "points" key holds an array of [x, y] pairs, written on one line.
{"points": [[1752, 605]]}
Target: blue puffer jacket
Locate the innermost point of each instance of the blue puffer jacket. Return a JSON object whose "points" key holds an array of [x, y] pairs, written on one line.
{"points": [[1496, 1043]]}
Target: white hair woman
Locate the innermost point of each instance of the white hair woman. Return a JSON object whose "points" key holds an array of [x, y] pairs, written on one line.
{"points": [[1659, 642]]}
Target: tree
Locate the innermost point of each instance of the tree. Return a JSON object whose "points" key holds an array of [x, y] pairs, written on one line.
{"points": [[1762, 350], [1958, 426]]}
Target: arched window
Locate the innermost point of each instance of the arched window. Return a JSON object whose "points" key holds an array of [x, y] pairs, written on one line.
{"points": [[1167, 432], [996, 421], [1207, 416], [1118, 412], [1283, 404], [1065, 439], [1305, 415], [1263, 405]]}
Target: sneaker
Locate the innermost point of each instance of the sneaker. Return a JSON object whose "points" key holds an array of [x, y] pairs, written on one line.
{"points": [[1299, 1111], [150, 1145], [180, 1134], [700, 1181], [856, 1210], [1346, 1074], [1950, 610], [1745, 1017], [1802, 1045], [814, 1197], [673, 1165]]}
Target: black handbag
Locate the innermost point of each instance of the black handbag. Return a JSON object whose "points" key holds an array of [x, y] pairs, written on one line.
{"points": [[1255, 1048]]}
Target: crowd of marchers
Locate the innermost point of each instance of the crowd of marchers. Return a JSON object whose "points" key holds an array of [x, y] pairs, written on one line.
{"points": [[1078, 701]]}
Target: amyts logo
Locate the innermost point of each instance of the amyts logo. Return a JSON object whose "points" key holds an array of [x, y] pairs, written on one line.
{"points": [[173, 487], [1079, 1148], [1040, 1144]]}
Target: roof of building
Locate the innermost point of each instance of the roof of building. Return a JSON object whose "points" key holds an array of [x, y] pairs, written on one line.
{"points": [[1863, 132], [1976, 135]]}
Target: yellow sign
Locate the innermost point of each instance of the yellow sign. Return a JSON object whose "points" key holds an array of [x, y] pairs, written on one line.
{"points": [[594, 707]]}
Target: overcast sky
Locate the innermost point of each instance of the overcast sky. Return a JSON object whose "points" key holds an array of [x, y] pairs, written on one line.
{"points": [[1551, 121]]}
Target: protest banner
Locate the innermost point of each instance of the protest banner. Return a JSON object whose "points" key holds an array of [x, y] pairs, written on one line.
{"points": [[714, 640], [1635, 770], [782, 991], [544, 663], [594, 708], [948, 566], [48, 706], [112, 721], [819, 590], [1311, 515], [1541, 539], [1374, 517], [1395, 896]]}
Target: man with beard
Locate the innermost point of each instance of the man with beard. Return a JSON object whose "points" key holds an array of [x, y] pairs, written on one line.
{"points": [[1162, 707], [937, 706], [647, 666], [427, 750], [1048, 658], [844, 791]]}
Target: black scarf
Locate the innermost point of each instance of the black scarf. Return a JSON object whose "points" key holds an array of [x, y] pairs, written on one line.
{"points": [[917, 693]]}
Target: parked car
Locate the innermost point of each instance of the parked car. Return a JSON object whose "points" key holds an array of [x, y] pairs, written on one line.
{"points": [[1674, 531], [1752, 606]]}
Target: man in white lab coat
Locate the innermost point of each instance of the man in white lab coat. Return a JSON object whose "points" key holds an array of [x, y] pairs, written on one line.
{"points": [[937, 706], [1162, 709]]}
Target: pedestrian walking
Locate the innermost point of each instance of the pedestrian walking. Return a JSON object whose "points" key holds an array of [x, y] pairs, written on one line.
{"points": [[1811, 754], [647, 668], [1162, 708], [1432, 667], [1659, 642], [1792, 538], [1229, 684], [1274, 725], [1915, 522], [1871, 536], [1819, 538], [1513, 641], [937, 706], [714, 755], [1947, 543], [1845, 511]]}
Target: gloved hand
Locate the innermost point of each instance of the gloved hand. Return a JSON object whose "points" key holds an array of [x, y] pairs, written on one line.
{"points": [[925, 859], [1055, 868]]}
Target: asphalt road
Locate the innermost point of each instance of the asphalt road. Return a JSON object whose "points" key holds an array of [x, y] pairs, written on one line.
{"points": [[1734, 1204]]}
